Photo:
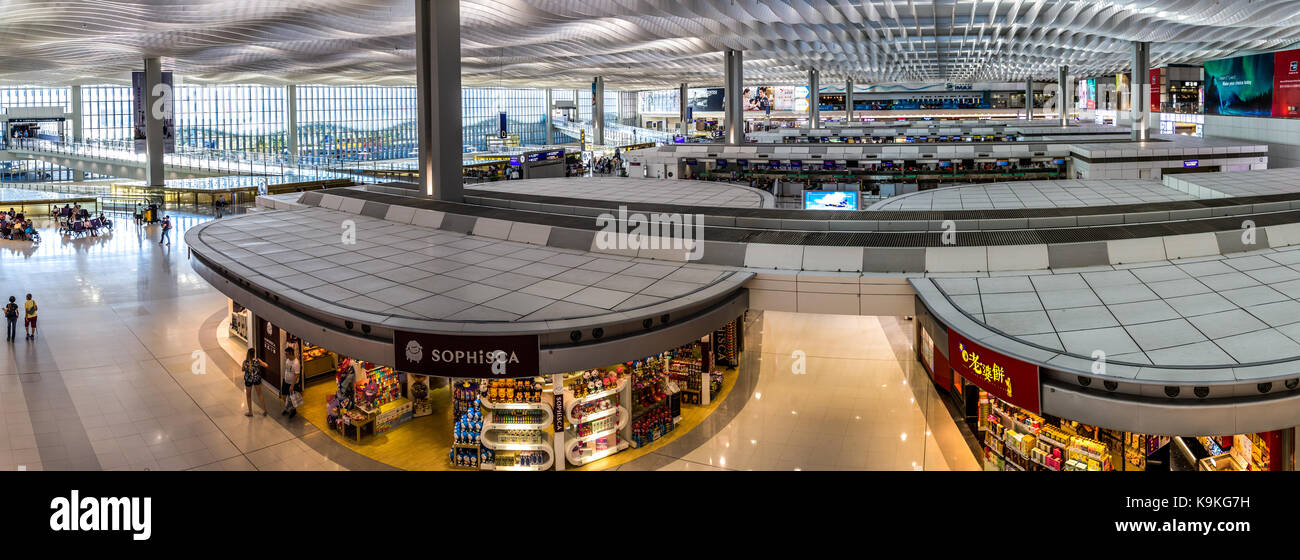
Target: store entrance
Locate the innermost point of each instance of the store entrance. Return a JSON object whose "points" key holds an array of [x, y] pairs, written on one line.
{"points": [[584, 420]]}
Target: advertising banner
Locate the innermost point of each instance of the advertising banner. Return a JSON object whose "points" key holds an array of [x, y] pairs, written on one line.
{"points": [[709, 100], [482, 357], [1155, 89], [1286, 84], [766, 99], [1006, 378], [268, 350], [1241, 86], [164, 108]]}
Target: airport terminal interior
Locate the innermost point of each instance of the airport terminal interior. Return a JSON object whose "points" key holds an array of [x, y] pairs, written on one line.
{"points": [[469, 235]]}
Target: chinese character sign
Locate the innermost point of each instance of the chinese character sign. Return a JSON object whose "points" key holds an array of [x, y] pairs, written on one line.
{"points": [[1006, 378]]}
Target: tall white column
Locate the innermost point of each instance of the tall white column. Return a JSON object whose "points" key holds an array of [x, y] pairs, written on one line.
{"points": [[153, 125], [550, 118], [598, 111], [291, 121], [683, 98], [735, 108], [1139, 107], [1063, 93], [814, 99], [1029, 98], [848, 100], [437, 31]]}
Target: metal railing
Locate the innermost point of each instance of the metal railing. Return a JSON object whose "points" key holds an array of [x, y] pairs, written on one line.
{"points": [[189, 160]]}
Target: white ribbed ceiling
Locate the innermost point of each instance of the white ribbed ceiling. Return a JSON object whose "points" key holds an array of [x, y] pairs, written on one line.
{"points": [[634, 43]]}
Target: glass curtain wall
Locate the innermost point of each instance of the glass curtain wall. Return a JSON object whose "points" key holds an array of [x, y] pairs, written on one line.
{"points": [[236, 118], [356, 123], [335, 123]]}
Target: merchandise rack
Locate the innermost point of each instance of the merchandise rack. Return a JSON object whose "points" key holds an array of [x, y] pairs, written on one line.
{"points": [[490, 440], [572, 441]]}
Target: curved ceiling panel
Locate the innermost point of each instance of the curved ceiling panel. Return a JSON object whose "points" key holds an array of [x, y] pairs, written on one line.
{"points": [[634, 43]]}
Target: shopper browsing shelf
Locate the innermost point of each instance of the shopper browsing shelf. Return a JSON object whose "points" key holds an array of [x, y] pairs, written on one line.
{"points": [[29, 321], [288, 387], [253, 368], [11, 320]]}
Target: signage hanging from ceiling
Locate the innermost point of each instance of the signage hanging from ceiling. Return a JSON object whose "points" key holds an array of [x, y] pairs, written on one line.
{"points": [[162, 108]]}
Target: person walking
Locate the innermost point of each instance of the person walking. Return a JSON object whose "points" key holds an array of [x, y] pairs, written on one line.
{"points": [[220, 204], [29, 320], [166, 231], [288, 387], [11, 320], [253, 368]]}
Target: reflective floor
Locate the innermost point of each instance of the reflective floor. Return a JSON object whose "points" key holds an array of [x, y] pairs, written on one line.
{"points": [[132, 369]]}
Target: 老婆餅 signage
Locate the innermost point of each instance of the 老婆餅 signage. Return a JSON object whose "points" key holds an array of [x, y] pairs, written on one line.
{"points": [[1006, 378], [485, 357]]}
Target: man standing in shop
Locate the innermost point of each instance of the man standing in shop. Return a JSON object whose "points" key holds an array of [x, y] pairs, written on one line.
{"points": [[11, 320], [29, 321]]}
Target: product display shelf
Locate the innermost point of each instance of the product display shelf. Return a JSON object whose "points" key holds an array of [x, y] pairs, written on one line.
{"points": [[491, 438], [543, 443], [490, 422], [576, 457], [571, 401]]}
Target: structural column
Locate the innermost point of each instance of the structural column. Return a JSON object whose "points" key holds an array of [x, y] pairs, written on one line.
{"points": [[848, 100], [78, 126], [735, 108], [1138, 105], [153, 124], [814, 99], [598, 111], [291, 122], [437, 55], [1029, 98], [683, 97], [550, 117], [1063, 95]]}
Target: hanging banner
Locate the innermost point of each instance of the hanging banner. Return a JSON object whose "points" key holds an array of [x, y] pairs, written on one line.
{"points": [[1286, 84], [1155, 79], [1006, 378], [163, 108]]}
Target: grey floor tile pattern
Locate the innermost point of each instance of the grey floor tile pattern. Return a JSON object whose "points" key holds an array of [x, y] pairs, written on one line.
{"points": [[693, 193], [1036, 194]]}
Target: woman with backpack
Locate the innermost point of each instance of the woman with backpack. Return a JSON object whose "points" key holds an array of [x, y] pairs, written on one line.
{"points": [[253, 368], [11, 320]]}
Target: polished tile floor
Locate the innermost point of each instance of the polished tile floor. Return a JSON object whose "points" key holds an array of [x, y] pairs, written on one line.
{"points": [[132, 369]]}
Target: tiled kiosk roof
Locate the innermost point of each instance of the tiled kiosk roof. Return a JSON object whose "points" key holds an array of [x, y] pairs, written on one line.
{"points": [[587, 310]]}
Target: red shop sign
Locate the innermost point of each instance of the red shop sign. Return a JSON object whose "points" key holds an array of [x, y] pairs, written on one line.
{"points": [[1006, 378]]}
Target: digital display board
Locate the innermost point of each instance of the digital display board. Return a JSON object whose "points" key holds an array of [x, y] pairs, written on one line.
{"points": [[830, 200], [1240, 86]]}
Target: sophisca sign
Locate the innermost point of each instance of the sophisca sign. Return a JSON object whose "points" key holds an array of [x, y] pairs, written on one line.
{"points": [[466, 356]]}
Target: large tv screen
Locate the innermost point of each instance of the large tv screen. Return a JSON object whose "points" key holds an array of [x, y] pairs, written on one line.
{"points": [[1286, 84], [1240, 86], [707, 99], [830, 200]]}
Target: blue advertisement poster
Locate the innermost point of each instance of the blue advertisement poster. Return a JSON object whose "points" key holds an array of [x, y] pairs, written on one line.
{"points": [[1241, 86]]}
